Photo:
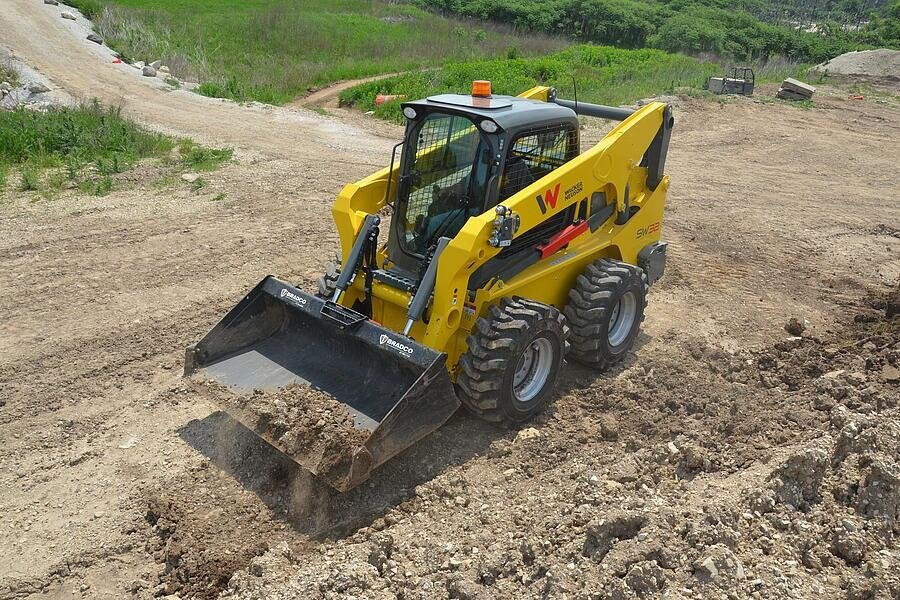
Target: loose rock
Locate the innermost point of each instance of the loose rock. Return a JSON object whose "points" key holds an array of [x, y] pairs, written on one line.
{"points": [[797, 481], [603, 533], [529, 433], [609, 427], [37, 88], [718, 564], [795, 326]]}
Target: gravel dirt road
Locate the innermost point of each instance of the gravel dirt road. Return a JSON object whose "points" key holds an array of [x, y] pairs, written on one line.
{"points": [[722, 458]]}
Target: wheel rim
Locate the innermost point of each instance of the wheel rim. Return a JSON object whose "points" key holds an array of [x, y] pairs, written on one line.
{"points": [[622, 319], [533, 370]]}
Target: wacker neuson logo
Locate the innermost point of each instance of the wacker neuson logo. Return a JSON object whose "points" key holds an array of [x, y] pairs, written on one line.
{"points": [[390, 342], [285, 293]]}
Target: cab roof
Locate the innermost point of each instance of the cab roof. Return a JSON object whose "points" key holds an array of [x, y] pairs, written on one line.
{"points": [[509, 112]]}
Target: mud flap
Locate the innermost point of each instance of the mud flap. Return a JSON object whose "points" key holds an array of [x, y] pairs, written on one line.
{"points": [[395, 388]]}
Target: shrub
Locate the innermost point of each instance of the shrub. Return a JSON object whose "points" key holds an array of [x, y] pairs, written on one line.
{"points": [[31, 178]]}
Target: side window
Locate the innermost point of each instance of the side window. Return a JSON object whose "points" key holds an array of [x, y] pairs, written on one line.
{"points": [[536, 153]]}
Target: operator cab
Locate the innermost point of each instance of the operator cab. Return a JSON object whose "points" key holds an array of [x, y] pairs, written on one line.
{"points": [[463, 154]]}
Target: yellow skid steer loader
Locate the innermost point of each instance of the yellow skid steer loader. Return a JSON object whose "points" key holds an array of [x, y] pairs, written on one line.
{"points": [[508, 250]]}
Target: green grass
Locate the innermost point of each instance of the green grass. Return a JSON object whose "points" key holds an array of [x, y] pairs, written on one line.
{"points": [[88, 133], [87, 145], [90, 8], [31, 178], [8, 74], [602, 74], [776, 71], [274, 50], [198, 158]]}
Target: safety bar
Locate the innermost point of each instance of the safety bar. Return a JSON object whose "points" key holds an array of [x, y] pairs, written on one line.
{"points": [[596, 110]]}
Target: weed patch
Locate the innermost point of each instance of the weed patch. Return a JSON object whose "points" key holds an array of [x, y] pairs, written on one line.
{"points": [[30, 179], [198, 158], [88, 133], [89, 8], [198, 185], [8, 75], [86, 146]]}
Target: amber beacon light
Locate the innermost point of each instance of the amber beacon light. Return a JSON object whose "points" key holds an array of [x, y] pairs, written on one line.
{"points": [[481, 88]]}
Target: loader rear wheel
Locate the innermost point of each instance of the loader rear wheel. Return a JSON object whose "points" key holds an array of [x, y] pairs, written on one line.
{"points": [[605, 311], [510, 369]]}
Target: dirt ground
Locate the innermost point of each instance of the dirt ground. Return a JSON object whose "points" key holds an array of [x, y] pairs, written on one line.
{"points": [[725, 458]]}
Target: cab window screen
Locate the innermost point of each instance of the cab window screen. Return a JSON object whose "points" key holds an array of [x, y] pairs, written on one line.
{"points": [[534, 154], [446, 180]]}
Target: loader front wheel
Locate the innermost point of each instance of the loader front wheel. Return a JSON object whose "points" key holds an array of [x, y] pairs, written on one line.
{"points": [[605, 311], [510, 369]]}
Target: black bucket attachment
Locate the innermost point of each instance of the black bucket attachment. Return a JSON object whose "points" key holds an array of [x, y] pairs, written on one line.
{"points": [[395, 388]]}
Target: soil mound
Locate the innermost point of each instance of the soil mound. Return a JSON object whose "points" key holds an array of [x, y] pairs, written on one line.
{"points": [[882, 64]]}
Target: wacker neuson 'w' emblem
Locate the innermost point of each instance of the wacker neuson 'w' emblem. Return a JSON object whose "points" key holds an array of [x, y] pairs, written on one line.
{"points": [[549, 198]]}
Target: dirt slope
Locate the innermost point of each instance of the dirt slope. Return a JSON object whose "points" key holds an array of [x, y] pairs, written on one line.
{"points": [[119, 479], [86, 70]]}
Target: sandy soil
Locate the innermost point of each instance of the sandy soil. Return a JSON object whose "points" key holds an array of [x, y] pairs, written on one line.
{"points": [[120, 480]]}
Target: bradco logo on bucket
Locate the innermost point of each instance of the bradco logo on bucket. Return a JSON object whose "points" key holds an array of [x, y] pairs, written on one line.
{"points": [[390, 342], [285, 293]]}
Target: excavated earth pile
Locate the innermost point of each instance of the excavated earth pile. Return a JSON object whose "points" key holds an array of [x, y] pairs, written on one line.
{"points": [[769, 473], [309, 426]]}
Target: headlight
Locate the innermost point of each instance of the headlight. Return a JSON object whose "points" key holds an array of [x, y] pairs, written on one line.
{"points": [[488, 126], [409, 112]]}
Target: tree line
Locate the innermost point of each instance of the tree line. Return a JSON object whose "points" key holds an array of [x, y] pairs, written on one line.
{"points": [[801, 30]]}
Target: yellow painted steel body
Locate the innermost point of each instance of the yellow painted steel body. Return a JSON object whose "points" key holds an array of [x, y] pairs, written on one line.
{"points": [[609, 167]]}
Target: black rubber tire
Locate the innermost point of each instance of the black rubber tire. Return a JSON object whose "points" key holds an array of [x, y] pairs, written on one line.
{"points": [[325, 285], [487, 369], [591, 304]]}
